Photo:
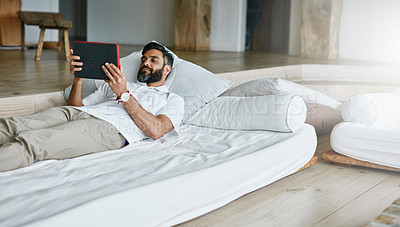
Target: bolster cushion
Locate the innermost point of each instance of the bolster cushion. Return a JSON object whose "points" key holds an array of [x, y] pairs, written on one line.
{"points": [[281, 113], [374, 110]]}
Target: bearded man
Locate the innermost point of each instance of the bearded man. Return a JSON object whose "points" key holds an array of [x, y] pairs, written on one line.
{"points": [[116, 114]]}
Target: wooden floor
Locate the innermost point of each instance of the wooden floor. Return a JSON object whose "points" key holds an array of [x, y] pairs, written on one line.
{"points": [[21, 75], [322, 195]]}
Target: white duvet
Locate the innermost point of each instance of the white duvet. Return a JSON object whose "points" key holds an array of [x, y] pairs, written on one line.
{"points": [[153, 183]]}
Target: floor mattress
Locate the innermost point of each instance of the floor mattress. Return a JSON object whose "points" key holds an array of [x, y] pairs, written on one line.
{"points": [[376, 145], [163, 182]]}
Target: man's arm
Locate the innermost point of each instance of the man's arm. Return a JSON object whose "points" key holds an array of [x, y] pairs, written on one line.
{"points": [[153, 126], [75, 97]]}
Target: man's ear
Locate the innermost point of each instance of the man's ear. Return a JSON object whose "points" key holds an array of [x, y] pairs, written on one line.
{"points": [[167, 69]]}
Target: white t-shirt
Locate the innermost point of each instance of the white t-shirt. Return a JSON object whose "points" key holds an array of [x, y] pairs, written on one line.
{"points": [[155, 100]]}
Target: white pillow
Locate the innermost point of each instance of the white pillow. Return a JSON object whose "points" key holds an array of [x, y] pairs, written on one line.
{"points": [[275, 86], [197, 86], [130, 66], [374, 110], [281, 113]]}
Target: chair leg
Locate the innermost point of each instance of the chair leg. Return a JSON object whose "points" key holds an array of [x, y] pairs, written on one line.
{"points": [[40, 44], [66, 45], [59, 44], [22, 36]]}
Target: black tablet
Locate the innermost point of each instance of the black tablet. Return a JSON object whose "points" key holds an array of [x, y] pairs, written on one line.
{"points": [[94, 55]]}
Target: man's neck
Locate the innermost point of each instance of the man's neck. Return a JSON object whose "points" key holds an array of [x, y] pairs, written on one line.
{"points": [[156, 84]]}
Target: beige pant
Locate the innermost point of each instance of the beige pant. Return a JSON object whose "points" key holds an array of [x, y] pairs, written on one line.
{"points": [[56, 133]]}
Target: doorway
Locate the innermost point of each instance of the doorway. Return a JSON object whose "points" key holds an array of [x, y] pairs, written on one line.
{"points": [[267, 26], [75, 11]]}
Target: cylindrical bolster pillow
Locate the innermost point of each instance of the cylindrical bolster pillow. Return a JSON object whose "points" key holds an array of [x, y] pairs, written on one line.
{"points": [[281, 113], [374, 110]]}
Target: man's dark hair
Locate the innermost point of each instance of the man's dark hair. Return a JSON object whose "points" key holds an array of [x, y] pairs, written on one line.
{"points": [[167, 56]]}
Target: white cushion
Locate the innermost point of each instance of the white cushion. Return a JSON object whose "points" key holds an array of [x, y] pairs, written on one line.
{"points": [[275, 86], [374, 110], [197, 86], [281, 113]]}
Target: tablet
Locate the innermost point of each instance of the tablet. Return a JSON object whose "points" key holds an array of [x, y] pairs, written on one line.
{"points": [[94, 55]]}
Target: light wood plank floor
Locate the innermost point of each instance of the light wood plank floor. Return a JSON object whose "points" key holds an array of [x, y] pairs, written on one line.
{"points": [[21, 75], [322, 195]]}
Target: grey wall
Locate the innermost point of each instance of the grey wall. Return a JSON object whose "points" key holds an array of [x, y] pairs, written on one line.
{"points": [[131, 21], [32, 32], [295, 26], [138, 22]]}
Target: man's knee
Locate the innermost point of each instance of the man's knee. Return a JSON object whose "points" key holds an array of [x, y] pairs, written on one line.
{"points": [[14, 155], [29, 145]]}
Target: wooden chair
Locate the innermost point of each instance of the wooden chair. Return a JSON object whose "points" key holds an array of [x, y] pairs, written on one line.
{"points": [[46, 21]]}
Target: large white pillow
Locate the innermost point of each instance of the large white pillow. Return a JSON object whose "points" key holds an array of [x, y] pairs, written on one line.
{"points": [[374, 110], [281, 113], [197, 86], [275, 86], [130, 66]]}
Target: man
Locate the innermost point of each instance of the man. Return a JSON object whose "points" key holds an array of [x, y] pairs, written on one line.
{"points": [[117, 114]]}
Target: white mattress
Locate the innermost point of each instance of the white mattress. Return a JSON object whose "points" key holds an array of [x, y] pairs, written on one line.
{"points": [[152, 183], [377, 145]]}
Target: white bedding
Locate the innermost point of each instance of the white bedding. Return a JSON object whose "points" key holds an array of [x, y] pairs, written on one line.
{"points": [[377, 145], [152, 183]]}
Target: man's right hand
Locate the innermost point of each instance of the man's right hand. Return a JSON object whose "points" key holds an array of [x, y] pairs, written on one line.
{"points": [[75, 96], [74, 61]]}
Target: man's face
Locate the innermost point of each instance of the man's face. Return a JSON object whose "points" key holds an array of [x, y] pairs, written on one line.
{"points": [[151, 67]]}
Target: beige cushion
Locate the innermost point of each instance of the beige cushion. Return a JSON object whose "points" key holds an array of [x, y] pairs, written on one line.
{"points": [[323, 118]]}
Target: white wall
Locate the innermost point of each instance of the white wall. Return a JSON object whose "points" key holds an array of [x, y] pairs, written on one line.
{"points": [[228, 25], [369, 30], [32, 32], [131, 21]]}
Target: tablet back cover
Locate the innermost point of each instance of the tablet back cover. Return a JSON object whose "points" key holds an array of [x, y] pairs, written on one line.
{"points": [[94, 55]]}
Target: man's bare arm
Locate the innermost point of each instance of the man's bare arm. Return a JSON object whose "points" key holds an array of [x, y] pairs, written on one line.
{"points": [[75, 97], [154, 126]]}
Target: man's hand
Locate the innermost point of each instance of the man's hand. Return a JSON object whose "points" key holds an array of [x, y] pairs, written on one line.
{"points": [[74, 62], [75, 96], [117, 79]]}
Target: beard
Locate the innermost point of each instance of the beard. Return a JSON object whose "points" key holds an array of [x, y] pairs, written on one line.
{"points": [[151, 77]]}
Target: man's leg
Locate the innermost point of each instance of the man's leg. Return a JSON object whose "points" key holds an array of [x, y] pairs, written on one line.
{"points": [[72, 139], [10, 127]]}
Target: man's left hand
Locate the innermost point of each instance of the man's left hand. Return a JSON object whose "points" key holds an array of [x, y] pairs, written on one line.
{"points": [[117, 79]]}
